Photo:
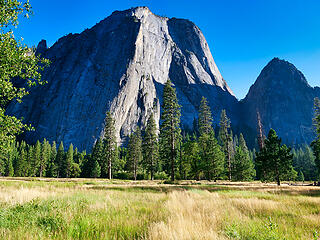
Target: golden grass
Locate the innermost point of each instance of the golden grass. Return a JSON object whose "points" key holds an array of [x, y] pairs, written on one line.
{"points": [[191, 216], [103, 209]]}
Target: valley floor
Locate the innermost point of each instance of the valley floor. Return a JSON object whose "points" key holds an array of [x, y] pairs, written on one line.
{"points": [[33, 208]]}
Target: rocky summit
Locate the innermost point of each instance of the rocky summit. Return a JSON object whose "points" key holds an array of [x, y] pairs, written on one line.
{"points": [[121, 65], [284, 99]]}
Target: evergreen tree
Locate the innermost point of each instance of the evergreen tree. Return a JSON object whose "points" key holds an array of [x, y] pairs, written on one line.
{"points": [[75, 170], [170, 129], [60, 158], [205, 117], [52, 164], [226, 140], [98, 152], [192, 156], [109, 147], [134, 152], [300, 177], [315, 145], [69, 164], [243, 169], [304, 161], [36, 159], [275, 158], [44, 157], [96, 170], [212, 156], [150, 147], [21, 166], [30, 160]]}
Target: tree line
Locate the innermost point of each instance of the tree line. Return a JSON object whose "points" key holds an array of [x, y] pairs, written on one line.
{"points": [[168, 152]]}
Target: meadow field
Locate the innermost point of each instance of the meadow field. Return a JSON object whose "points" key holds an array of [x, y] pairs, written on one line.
{"points": [[34, 208]]}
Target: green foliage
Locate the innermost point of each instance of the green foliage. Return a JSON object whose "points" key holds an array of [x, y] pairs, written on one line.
{"points": [[275, 159], [109, 147], [300, 177], [170, 132], [191, 156], [243, 167], [205, 117], [96, 170], [150, 147], [17, 61], [212, 157], [134, 152], [60, 159], [69, 164], [315, 145], [225, 137], [304, 162], [52, 164]]}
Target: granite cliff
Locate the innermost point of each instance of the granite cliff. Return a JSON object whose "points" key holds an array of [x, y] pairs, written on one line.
{"points": [[284, 99], [120, 65]]}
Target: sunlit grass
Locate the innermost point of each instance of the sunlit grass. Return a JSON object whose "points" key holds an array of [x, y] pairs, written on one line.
{"points": [[103, 209]]}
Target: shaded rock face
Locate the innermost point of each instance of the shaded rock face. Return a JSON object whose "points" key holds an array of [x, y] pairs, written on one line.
{"points": [[284, 99], [120, 65]]}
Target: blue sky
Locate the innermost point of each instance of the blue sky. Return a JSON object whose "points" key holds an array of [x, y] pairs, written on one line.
{"points": [[243, 35]]}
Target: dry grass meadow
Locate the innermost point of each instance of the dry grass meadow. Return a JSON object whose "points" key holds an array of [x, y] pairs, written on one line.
{"points": [[33, 208]]}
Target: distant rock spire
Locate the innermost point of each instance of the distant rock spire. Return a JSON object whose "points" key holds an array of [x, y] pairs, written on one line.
{"points": [[42, 47]]}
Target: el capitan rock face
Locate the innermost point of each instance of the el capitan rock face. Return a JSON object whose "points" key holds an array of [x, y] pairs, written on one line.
{"points": [[284, 99], [121, 65]]}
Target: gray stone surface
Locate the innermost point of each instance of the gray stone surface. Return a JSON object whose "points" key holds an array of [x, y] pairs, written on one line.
{"points": [[284, 99], [121, 65]]}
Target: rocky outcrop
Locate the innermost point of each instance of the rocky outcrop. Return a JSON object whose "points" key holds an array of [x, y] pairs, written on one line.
{"points": [[120, 65], [284, 99]]}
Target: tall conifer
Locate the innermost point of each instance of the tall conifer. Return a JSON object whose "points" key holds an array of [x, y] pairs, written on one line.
{"points": [[109, 146], [150, 146], [170, 132]]}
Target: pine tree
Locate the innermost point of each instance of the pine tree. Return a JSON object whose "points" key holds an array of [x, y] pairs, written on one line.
{"points": [[170, 129], [98, 152], [96, 170], [226, 140], [275, 158], [304, 161], [134, 152], [44, 157], [205, 117], [109, 147], [68, 164], [192, 156], [21, 166], [243, 169], [60, 158], [300, 177], [52, 164], [36, 159], [212, 157], [150, 147], [315, 145], [30, 160]]}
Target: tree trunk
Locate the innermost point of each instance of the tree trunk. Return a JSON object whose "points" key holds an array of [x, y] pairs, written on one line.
{"points": [[109, 170], [152, 177]]}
